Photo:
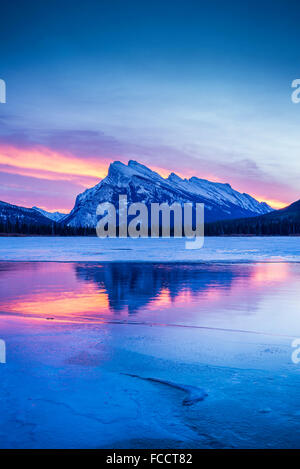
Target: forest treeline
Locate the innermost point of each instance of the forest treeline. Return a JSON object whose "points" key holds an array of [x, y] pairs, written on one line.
{"points": [[253, 226], [51, 229]]}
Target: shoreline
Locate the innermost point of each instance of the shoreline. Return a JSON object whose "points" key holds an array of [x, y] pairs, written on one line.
{"points": [[22, 235], [216, 250]]}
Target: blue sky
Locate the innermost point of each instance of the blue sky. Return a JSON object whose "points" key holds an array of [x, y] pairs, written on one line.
{"points": [[198, 88]]}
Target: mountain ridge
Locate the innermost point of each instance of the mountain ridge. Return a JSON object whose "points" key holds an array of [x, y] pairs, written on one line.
{"points": [[13, 214], [54, 216], [141, 184], [284, 222]]}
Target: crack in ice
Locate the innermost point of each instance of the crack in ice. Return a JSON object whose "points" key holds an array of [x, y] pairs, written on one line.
{"points": [[194, 394]]}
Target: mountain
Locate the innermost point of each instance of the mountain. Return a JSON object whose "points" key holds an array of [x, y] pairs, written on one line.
{"points": [[288, 214], [141, 184], [13, 214], [54, 216], [285, 221], [15, 220]]}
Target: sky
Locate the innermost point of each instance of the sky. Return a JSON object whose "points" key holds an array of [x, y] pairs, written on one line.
{"points": [[199, 88]]}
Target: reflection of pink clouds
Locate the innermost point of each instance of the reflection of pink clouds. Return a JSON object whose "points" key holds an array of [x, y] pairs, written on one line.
{"points": [[63, 297], [162, 300], [262, 278], [68, 305], [48, 290], [266, 273]]}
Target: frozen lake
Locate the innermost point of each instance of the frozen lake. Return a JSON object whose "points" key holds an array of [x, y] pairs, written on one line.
{"points": [[261, 249], [148, 355], [142, 343]]}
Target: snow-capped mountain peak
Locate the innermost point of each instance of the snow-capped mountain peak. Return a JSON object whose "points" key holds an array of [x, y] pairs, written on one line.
{"points": [[120, 173], [141, 184]]}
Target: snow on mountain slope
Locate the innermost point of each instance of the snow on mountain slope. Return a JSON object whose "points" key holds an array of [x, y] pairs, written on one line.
{"points": [[14, 214], [54, 216], [141, 184]]}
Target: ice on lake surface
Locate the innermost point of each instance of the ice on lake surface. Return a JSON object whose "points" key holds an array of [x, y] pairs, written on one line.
{"points": [[149, 354], [149, 249]]}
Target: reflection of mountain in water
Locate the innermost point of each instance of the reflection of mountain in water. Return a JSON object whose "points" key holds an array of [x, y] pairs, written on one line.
{"points": [[135, 285]]}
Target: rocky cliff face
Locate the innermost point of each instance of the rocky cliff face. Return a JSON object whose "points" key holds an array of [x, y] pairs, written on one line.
{"points": [[140, 184]]}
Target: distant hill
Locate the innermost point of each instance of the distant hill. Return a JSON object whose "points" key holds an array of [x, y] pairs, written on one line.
{"points": [[54, 216], [15, 214], [285, 222], [30, 221]]}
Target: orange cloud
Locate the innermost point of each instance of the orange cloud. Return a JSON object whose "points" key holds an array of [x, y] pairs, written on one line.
{"points": [[277, 204], [84, 181], [43, 162]]}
